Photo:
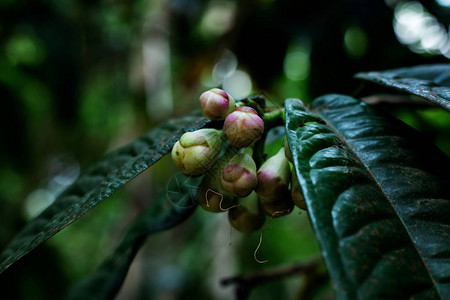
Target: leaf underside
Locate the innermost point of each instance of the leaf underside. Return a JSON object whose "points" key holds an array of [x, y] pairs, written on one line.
{"points": [[431, 82], [377, 199], [174, 206], [98, 183]]}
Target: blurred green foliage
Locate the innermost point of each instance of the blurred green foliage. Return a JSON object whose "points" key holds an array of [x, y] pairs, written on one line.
{"points": [[79, 78]]}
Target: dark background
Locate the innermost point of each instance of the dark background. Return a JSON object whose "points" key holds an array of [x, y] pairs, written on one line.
{"points": [[79, 78]]}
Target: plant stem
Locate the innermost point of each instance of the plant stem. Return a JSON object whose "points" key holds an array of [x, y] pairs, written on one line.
{"points": [[253, 104], [245, 283], [274, 118]]}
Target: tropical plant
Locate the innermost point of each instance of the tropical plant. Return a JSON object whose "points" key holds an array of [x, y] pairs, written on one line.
{"points": [[376, 193]]}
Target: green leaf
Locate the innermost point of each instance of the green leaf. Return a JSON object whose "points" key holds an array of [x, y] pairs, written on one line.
{"points": [[98, 183], [431, 82], [174, 206], [378, 198]]}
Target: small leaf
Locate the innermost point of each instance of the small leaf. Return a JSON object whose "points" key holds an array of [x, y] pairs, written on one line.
{"points": [[431, 82], [377, 197], [98, 183], [174, 206]]}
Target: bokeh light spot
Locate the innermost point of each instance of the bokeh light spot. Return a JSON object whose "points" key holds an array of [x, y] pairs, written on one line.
{"points": [[238, 84], [356, 41], [225, 67], [420, 30], [296, 65], [37, 201], [443, 3], [218, 18], [25, 49]]}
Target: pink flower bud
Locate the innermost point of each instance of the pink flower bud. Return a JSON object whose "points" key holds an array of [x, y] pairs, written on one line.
{"points": [[243, 127], [239, 176], [273, 178], [196, 151], [216, 104]]}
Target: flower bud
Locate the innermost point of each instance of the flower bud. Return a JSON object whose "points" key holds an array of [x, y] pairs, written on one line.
{"points": [[213, 199], [296, 192], [216, 104], [196, 151], [210, 194], [239, 176], [278, 208], [243, 127], [273, 178], [247, 217]]}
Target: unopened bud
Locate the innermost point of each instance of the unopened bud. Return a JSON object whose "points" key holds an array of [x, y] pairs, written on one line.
{"points": [[213, 199], [196, 151], [239, 176], [296, 192], [243, 127], [210, 194], [273, 178], [278, 208], [247, 217], [216, 104]]}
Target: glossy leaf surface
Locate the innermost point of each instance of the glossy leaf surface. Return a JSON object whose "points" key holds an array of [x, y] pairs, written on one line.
{"points": [[431, 82], [174, 206], [98, 183], [377, 199]]}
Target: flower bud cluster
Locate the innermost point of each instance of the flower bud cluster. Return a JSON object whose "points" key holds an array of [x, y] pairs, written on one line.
{"points": [[232, 181], [197, 151], [242, 125]]}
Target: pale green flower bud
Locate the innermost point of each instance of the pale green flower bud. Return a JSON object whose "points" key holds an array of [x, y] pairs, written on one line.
{"points": [[243, 127], [248, 216], [216, 104], [196, 151], [273, 178], [239, 176]]}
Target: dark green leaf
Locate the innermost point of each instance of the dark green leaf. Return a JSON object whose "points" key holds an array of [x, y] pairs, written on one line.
{"points": [[377, 197], [431, 82], [98, 183], [174, 206]]}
